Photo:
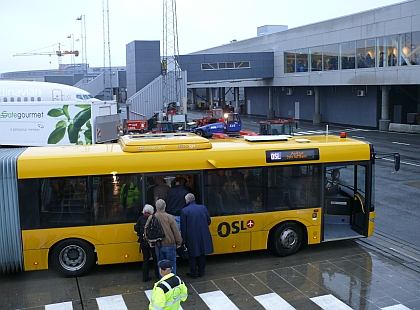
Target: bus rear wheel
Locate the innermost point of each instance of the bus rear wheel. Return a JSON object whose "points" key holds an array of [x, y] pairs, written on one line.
{"points": [[286, 239], [72, 257]]}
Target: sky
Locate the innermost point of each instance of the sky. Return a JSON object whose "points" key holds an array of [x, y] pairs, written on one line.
{"points": [[39, 25]]}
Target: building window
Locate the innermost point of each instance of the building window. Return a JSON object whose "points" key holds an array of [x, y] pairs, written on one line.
{"points": [[410, 49], [388, 51], [330, 53], [315, 54], [226, 65], [347, 55], [302, 60], [289, 61], [366, 53]]}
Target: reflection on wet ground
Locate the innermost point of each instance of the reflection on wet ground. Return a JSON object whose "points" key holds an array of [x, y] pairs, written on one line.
{"points": [[336, 275]]}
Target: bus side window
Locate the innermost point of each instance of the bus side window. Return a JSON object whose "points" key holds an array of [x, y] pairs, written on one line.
{"points": [[29, 203]]}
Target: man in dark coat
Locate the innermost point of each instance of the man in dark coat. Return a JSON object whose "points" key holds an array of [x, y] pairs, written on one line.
{"points": [[175, 199], [195, 220]]}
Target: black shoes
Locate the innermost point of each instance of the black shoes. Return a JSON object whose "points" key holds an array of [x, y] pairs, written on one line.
{"points": [[148, 279], [191, 275]]}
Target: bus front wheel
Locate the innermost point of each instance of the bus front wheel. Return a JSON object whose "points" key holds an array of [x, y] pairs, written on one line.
{"points": [[286, 239], [72, 257]]}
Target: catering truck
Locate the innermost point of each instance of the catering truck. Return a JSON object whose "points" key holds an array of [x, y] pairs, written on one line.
{"points": [[58, 123]]}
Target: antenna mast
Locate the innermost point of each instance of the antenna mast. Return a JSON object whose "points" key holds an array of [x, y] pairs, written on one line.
{"points": [[108, 91], [171, 71]]}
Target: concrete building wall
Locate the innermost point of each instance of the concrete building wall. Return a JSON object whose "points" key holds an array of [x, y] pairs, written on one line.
{"points": [[143, 64], [261, 66]]}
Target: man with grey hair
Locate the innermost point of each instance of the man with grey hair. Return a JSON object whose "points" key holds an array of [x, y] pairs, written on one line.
{"points": [[145, 248], [172, 239], [195, 221]]}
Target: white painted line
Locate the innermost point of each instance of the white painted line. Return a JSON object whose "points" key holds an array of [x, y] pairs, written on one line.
{"points": [[217, 300], [402, 162], [114, 302], [329, 302], [357, 137], [396, 307], [149, 295], [272, 301], [60, 306], [413, 258], [401, 143]]}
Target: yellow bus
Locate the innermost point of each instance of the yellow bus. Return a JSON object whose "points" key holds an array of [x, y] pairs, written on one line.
{"points": [[61, 206]]}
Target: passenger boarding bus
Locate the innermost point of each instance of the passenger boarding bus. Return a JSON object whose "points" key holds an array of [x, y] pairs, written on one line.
{"points": [[61, 206]]}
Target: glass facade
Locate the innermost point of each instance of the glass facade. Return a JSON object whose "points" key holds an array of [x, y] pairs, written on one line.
{"points": [[387, 51]]}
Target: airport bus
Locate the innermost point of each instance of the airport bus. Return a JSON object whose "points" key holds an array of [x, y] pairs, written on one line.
{"points": [[61, 205], [32, 91]]}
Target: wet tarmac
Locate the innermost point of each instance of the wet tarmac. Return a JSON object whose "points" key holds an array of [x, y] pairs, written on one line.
{"points": [[335, 275]]}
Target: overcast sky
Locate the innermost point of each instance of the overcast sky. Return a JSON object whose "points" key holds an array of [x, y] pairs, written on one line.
{"points": [[30, 25]]}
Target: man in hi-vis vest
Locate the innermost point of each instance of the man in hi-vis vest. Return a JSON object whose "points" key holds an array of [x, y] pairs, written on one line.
{"points": [[169, 291]]}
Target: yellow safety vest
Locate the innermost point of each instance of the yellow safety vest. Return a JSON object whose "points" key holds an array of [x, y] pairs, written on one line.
{"points": [[168, 293]]}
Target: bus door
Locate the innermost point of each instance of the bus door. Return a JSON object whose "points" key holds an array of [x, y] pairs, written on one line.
{"points": [[345, 213], [361, 203]]}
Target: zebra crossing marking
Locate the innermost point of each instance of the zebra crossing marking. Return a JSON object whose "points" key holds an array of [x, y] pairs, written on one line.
{"points": [[329, 302], [60, 306], [216, 299], [114, 302], [273, 301]]}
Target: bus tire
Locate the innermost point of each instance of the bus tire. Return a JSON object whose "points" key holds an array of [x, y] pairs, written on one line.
{"points": [[286, 239], [200, 133], [72, 257]]}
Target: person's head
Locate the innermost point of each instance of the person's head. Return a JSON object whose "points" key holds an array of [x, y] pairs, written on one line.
{"points": [[180, 181], [165, 267], [189, 197], [160, 205], [150, 181], [148, 209], [160, 180]]}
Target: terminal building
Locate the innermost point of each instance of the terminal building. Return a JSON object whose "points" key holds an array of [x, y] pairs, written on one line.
{"points": [[359, 70]]}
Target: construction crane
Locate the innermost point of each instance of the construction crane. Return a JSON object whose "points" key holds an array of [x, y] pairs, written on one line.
{"points": [[171, 70], [59, 53]]}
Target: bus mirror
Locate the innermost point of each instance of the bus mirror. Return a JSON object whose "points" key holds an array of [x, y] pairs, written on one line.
{"points": [[397, 161]]}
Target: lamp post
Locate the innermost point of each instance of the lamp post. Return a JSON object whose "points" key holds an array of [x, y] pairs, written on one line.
{"points": [[82, 19], [71, 37]]}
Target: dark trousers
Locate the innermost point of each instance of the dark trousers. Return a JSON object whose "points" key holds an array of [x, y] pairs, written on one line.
{"points": [[147, 252], [197, 263]]}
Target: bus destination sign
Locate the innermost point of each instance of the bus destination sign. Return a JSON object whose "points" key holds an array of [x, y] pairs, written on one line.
{"points": [[291, 155]]}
